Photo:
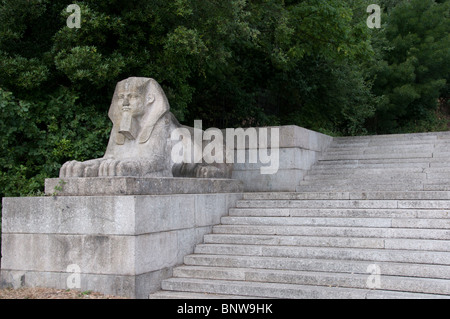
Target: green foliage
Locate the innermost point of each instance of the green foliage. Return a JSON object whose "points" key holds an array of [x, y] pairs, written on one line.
{"points": [[413, 72], [284, 55], [86, 64], [38, 136]]}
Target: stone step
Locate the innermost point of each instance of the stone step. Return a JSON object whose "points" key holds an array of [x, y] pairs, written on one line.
{"points": [[377, 170], [380, 195], [285, 291], [324, 265], [436, 170], [373, 168], [162, 294], [342, 213], [369, 203], [395, 137], [438, 176], [332, 170], [309, 203], [380, 155], [445, 135], [354, 169], [345, 156], [375, 255], [292, 195], [391, 283], [309, 186], [378, 139], [436, 187], [401, 162], [438, 146], [372, 184], [434, 223], [438, 164], [409, 138], [404, 149], [441, 154], [341, 242], [373, 177], [366, 232], [352, 146]]}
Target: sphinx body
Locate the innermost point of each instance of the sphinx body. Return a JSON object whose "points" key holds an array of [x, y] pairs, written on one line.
{"points": [[140, 143]]}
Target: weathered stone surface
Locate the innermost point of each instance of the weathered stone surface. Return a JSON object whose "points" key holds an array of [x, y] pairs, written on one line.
{"points": [[122, 245], [285, 180], [99, 254], [69, 215], [295, 136], [138, 186]]}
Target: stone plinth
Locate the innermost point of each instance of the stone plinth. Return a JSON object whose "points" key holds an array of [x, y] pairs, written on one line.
{"points": [[299, 149], [101, 186], [121, 244]]}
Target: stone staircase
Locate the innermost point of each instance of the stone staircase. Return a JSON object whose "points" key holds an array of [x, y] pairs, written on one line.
{"points": [[370, 220]]}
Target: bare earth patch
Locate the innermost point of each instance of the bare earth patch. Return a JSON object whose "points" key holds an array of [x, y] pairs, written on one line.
{"points": [[49, 293]]}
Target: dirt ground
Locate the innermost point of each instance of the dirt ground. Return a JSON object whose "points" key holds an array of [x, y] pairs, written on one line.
{"points": [[48, 293]]}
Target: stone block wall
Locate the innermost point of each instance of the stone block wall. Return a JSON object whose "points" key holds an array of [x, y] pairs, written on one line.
{"points": [[122, 244], [299, 149]]}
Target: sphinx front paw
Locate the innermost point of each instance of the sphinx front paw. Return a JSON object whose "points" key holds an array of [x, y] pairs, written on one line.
{"points": [[112, 167], [79, 169]]}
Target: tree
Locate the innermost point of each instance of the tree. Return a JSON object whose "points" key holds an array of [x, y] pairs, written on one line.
{"points": [[278, 76], [414, 72]]}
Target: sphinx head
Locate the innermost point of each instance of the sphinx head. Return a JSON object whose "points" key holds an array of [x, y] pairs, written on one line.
{"points": [[137, 105]]}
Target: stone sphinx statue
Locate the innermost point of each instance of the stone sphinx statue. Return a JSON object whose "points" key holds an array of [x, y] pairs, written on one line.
{"points": [[140, 143]]}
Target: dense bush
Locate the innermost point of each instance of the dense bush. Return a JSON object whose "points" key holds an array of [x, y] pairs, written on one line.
{"points": [[413, 68]]}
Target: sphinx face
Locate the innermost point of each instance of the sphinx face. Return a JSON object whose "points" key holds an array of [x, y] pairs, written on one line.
{"points": [[131, 102]]}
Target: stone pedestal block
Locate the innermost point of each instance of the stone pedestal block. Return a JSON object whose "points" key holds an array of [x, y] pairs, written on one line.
{"points": [[111, 242]]}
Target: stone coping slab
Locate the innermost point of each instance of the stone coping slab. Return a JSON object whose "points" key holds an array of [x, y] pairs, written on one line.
{"points": [[98, 186]]}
